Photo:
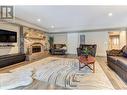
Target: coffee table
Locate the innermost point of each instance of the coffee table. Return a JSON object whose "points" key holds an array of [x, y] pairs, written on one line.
{"points": [[87, 61]]}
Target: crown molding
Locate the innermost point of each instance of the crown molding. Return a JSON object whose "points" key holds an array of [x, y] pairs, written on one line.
{"points": [[92, 30]]}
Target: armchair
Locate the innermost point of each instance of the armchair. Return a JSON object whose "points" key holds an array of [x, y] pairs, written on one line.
{"points": [[91, 48]]}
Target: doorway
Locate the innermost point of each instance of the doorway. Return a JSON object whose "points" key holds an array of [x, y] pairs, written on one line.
{"points": [[114, 40]]}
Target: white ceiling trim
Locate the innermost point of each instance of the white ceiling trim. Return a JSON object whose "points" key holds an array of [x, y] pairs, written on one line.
{"points": [[83, 28]]}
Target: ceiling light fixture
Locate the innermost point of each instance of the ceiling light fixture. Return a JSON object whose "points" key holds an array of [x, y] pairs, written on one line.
{"points": [[52, 26], [38, 20], [109, 14]]}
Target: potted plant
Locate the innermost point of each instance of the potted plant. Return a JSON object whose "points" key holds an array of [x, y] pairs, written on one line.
{"points": [[51, 40], [86, 52]]}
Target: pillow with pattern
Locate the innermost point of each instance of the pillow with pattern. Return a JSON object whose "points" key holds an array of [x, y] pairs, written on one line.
{"points": [[125, 53]]}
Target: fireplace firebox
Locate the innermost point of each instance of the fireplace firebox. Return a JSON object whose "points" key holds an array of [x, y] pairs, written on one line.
{"points": [[36, 49]]}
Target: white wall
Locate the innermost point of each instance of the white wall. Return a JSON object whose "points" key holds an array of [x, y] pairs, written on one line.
{"points": [[10, 50], [100, 38], [60, 38], [72, 43]]}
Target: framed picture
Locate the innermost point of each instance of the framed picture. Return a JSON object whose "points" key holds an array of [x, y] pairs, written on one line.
{"points": [[82, 39]]}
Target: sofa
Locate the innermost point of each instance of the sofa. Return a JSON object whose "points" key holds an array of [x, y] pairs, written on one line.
{"points": [[58, 49], [91, 47], [117, 61], [10, 59]]}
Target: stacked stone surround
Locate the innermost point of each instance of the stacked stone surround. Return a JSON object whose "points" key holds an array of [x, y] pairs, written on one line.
{"points": [[33, 37]]}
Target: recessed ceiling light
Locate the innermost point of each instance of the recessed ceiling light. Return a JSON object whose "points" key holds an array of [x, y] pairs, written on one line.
{"points": [[52, 26], [38, 20], [109, 14]]}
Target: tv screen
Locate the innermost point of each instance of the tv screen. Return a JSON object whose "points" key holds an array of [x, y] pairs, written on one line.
{"points": [[8, 36]]}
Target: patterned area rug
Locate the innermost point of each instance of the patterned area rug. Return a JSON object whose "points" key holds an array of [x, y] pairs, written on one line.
{"points": [[65, 72]]}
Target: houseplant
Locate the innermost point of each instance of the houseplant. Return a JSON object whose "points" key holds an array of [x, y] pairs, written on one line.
{"points": [[51, 41], [86, 52]]}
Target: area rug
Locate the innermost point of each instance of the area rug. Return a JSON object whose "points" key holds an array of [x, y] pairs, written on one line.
{"points": [[64, 72]]}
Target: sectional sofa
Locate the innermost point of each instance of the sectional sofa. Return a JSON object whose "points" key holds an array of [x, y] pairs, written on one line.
{"points": [[117, 60]]}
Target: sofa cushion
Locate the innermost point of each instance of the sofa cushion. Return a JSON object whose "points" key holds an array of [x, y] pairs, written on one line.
{"points": [[112, 59], [125, 53], [119, 61], [122, 63]]}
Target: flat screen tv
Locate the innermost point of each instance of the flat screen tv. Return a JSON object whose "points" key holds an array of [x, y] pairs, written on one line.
{"points": [[8, 36]]}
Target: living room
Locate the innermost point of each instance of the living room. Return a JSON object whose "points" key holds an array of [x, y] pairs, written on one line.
{"points": [[47, 52]]}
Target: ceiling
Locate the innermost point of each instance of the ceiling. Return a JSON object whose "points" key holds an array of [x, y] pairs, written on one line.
{"points": [[73, 18]]}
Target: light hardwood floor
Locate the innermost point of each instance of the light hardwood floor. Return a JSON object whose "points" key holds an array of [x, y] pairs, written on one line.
{"points": [[116, 81]]}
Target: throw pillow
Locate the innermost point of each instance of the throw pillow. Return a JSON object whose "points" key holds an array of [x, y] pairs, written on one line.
{"points": [[125, 53], [124, 48]]}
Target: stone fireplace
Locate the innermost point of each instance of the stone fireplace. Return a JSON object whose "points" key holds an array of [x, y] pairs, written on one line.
{"points": [[34, 43]]}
